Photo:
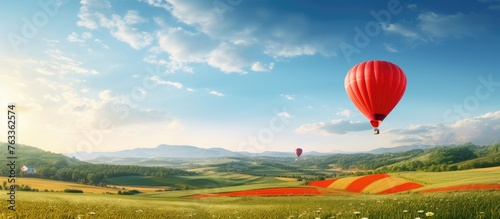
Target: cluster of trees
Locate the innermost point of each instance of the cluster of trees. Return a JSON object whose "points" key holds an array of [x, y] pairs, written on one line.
{"points": [[56, 166], [459, 157], [253, 169], [443, 158], [96, 174], [364, 161]]}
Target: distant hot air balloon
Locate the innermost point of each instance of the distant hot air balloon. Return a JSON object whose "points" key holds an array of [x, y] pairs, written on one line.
{"points": [[375, 87], [298, 152]]}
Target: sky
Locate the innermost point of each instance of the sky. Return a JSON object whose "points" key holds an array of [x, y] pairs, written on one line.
{"points": [[245, 75]]}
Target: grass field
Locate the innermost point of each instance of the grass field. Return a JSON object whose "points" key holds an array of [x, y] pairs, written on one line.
{"points": [[452, 178], [470, 205], [275, 171], [479, 204], [42, 184], [204, 181]]}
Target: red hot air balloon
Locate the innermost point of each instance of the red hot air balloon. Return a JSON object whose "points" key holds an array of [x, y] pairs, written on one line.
{"points": [[298, 152], [375, 87]]}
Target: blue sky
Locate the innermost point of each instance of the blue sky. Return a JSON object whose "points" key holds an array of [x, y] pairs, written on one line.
{"points": [[245, 75]]}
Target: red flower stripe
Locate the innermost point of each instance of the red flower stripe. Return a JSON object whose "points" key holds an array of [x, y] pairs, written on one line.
{"points": [[359, 184]]}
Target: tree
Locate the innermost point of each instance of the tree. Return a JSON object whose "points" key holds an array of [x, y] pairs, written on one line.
{"points": [[450, 155]]}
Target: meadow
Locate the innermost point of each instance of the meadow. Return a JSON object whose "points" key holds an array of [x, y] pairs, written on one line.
{"points": [[212, 194], [470, 205], [329, 203]]}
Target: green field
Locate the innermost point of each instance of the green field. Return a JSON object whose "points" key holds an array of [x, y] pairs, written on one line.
{"points": [[171, 196], [451, 178], [202, 181], [470, 205], [178, 204]]}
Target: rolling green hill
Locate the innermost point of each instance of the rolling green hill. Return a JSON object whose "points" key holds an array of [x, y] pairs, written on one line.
{"points": [[236, 171], [59, 167], [201, 181], [443, 158]]}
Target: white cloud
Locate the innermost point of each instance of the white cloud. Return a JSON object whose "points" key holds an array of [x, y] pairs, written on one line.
{"points": [[283, 50], [107, 95], [493, 4], [190, 89], [122, 30], [455, 25], [158, 3], [390, 48], [102, 44], [158, 80], [167, 66], [188, 47], [62, 64], [402, 30], [345, 112], [86, 18], [230, 41], [412, 7], [288, 97], [261, 67], [285, 114], [74, 37], [483, 129], [185, 46], [216, 93], [56, 63], [431, 27], [96, 3], [228, 58], [132, 17], [333, 127]]}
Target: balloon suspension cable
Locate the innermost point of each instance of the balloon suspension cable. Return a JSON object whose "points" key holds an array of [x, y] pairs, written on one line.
{"points": [[376, 131]]}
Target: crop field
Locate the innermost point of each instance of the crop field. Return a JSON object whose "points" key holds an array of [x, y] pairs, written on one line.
{"points": [[58, 186], [472, 204], [460, 194], [207, 180], [453, 178]]}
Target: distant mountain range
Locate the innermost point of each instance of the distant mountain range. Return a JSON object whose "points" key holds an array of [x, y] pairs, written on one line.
{"points": [[400, 149], [185, 151]]}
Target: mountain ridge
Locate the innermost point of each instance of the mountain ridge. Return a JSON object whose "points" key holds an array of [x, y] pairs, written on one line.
{"points": [[188, 151]]}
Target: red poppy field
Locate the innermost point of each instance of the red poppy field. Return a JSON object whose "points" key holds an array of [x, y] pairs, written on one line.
{"points": [[401, 188], [359, 184], [374, 184], [322, 183], [287, 191]]}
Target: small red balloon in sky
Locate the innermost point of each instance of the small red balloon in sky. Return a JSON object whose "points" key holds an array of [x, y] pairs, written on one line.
{"points": [[375, 87], [298, 152]]}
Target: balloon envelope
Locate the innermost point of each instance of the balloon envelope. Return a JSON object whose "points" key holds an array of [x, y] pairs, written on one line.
{"points": [[298, 152], [375, 87]]}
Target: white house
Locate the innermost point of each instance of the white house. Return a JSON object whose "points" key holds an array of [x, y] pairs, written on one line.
{"points": [[28, 169]]}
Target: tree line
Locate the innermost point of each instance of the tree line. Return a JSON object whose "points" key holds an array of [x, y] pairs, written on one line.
{"points": [[59, 167], [440, 158]]}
